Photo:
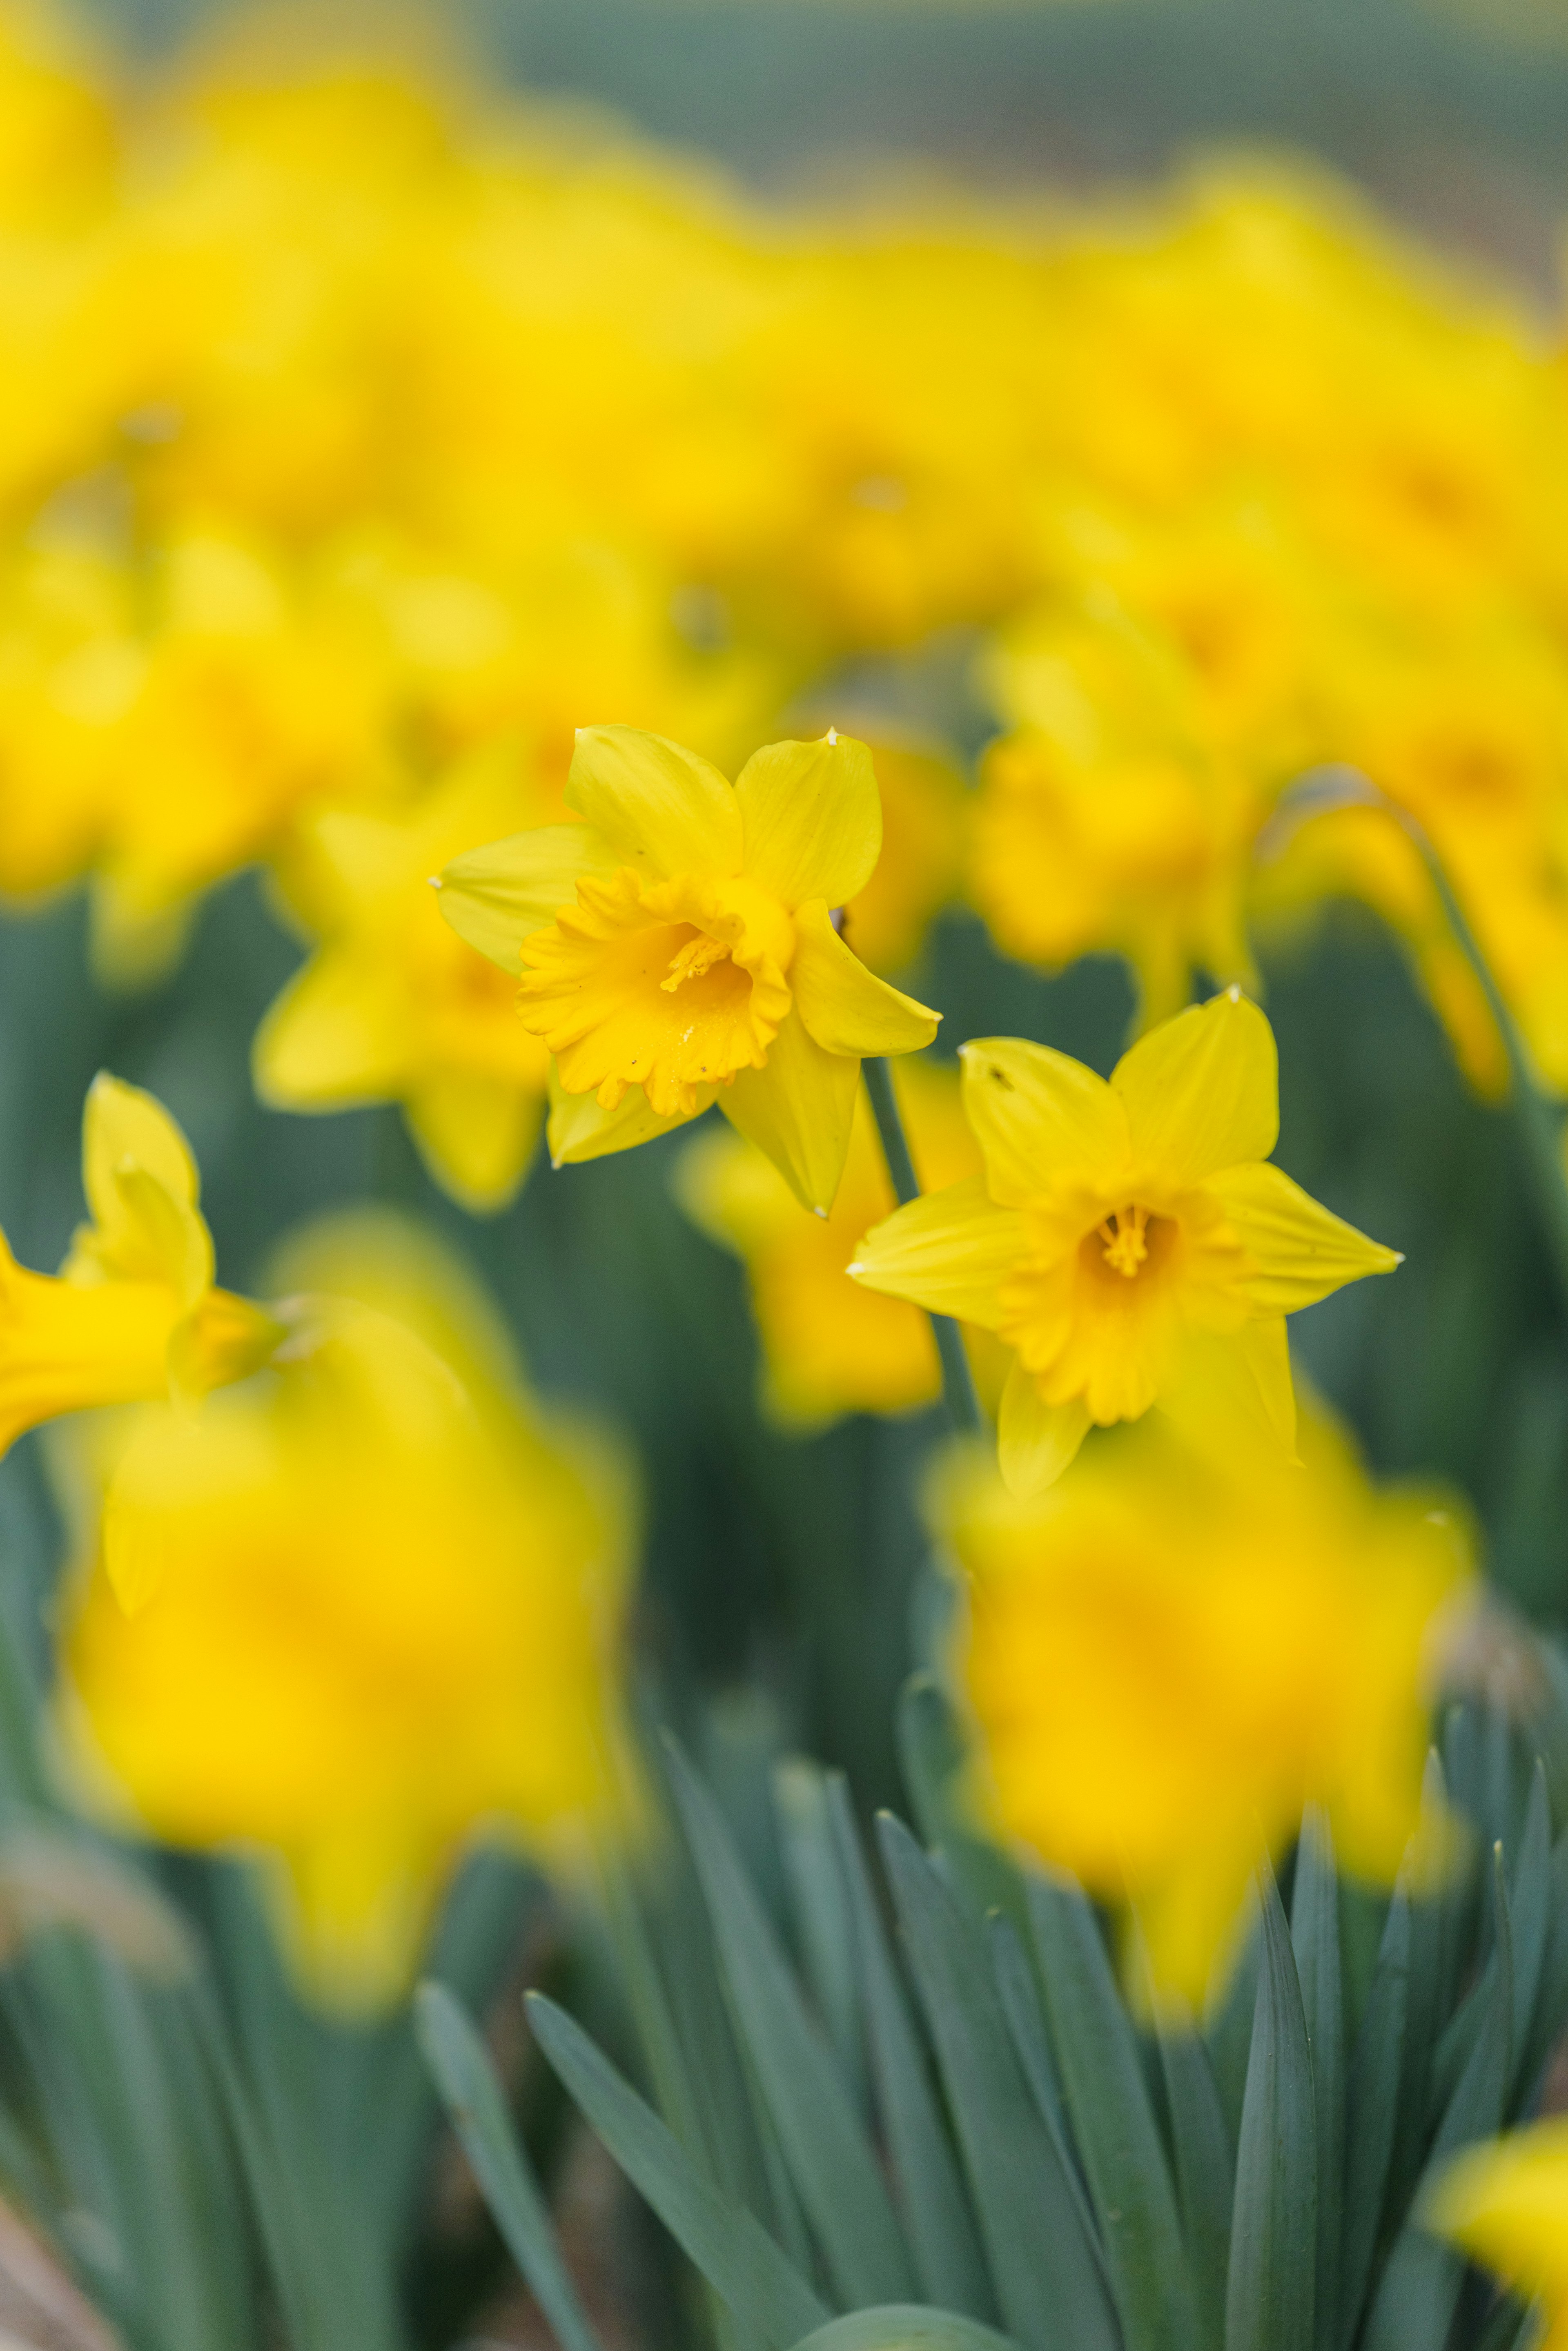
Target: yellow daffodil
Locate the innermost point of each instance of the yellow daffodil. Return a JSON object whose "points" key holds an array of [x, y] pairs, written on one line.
{"points": [[393, 1006], [830, 1346], [1166, 1657], [1127, 1240], [677, 947], [1506, 2202], [132, 1314], [379, 1606]]}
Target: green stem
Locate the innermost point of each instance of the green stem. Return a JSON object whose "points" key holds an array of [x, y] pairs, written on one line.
{"points": [[1540, 1123], [957, 1381]]}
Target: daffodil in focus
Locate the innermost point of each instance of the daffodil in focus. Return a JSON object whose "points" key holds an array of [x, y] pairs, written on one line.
{"points": [[379, 1598], [134, 1314], [1166, 1658], [678, 947], [829, 1345], [1128, 1241], [1506, 2202], [393, 1006]]}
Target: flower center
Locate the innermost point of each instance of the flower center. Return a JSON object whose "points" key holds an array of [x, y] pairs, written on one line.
{"points": [[693, 961], [1126, 1236]]}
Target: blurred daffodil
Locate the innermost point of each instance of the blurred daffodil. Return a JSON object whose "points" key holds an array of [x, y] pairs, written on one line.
{"points": [[926, 812], [1506, 2202], [830, 1346], [393, 1006], [133, 1313], [1128, 1241], [678, 947], [377, 1606], [1166, 1657]]}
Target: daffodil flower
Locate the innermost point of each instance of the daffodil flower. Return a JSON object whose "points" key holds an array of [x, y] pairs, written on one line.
{"points": [[1127, 1240], [1506, 2202], [678, 947], [133, 1314]]}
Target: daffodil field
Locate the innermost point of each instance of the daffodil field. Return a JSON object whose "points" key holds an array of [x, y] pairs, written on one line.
{"points": [[784, 1289]]}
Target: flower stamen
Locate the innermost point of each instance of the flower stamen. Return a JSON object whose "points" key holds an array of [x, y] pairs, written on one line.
{"points": [[698, 955], [1126, 1236]]}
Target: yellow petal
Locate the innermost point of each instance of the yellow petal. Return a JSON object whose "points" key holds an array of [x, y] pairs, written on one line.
{"points": [[798, 1108], [578, 1129], [141, 1185], [223, 1338], [813, 818], [476, 1136], [661, 810], [340, 1033], [1202, 1092], [497, 896], [949, 1252], [1301, 1250], [1035, 1440], [845, 1006], [124, 1127], [1229, 1391], [65, 1345], [1040, 1118]]}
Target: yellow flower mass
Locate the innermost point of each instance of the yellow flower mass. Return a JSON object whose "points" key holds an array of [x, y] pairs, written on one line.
{"points": [[678, 947], [1166, 1657], [1128, 1241], [379, 1606], [1506, 2202], [134, 1314]]}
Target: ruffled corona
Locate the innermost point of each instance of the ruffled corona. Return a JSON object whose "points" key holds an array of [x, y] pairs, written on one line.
{"points": [[1127, 1240], [678, 947]]}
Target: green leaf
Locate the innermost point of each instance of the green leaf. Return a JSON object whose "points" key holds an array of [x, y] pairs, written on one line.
{"points": [[1433, 1924], [931, 1754], [463, 2072], [725, 2242], [820, 1906], [1273, 2231], [1050, 2284], [1315, 1937], [1113, 2123], [1414, 2305], [941, 2227], [1530, 1907], [1372, 2110], [834, 2169], [1228, 2032], [907, 2326], [1206, 2170], [1552, 2000]]}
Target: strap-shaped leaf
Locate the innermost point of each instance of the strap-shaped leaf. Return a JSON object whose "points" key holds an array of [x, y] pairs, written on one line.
{"points": [[931, 1755], [1372, 2110], [1049, 2284], [1433, 1925], [1019, 1996], [907, 2326], [1530, 1909], [1414, 2305], [1552, 2000], [821, 1909], [726, 2242], [1273, 2231], [465, 2078], [1204, 2169], [942, 2233], [1113, 2123], [1315, 1937], [834, 2169]]}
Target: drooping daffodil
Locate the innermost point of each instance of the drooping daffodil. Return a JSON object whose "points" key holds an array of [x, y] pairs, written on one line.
{"points": [[1506, 2202], [677, 947], [1127, 1240], [133, 1315]]}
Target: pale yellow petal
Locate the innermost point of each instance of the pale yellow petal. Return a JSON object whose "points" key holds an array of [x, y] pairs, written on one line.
{"points": [[1301, 1250], [949, 1252], [813, 818], [661, 810], [65, 1345], [475, 1134], [1230, 1390], [844, 1005], [1036, 1441], [223, 1338], [497, 896], [1040, 1119], [1202, 1092], [578, 1129], [339, 1034], [124, 1127], [141, 1185], [798, 1108]]}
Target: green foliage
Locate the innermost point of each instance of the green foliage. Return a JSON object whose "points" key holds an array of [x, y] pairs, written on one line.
{"points": [[983, 2102]]}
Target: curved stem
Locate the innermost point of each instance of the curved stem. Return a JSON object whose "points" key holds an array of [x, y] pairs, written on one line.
{"points": [[957, 1381]]}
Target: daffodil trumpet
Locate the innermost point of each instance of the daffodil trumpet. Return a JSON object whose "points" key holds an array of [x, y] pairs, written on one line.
{"points": [[958, 1380], [676, 947], [1127, 1240]]}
